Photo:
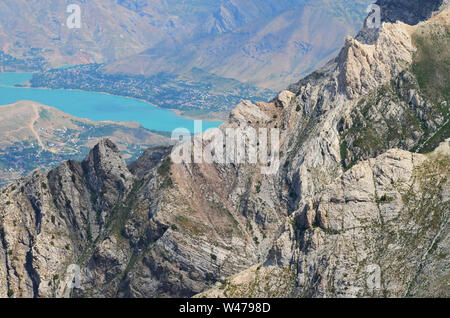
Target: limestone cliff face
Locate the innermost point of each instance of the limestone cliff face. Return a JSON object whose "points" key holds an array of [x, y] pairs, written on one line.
{"points": [[389, 213], [342, 207], [386, 216]]}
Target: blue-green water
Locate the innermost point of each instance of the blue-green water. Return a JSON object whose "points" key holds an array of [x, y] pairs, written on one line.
{"points": [[95, 106]]}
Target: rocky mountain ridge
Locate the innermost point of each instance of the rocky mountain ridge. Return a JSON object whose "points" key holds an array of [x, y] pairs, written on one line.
{"points": [[334, 221]]}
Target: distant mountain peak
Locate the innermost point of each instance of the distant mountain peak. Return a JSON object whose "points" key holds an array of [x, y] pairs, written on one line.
{"points": [[408, 11]]}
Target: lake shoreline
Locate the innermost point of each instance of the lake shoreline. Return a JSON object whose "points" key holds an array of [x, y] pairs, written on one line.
{"points": [[216, 116], [179, 113], [98, 106]]}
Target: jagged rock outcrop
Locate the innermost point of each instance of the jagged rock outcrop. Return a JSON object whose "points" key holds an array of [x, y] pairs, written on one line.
{"points": [[361, 70], [319, 130], [389, 214], [326, 220]]}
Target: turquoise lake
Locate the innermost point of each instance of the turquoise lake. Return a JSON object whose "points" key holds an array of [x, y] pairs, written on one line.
{"points": [[95, 106]]}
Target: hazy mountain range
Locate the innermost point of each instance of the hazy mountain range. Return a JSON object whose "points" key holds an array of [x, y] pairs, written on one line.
{"points": [[264, 42]]}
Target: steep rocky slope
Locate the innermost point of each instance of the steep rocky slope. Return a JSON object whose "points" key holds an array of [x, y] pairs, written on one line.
{"points": [[389, 214], [333, 221]]}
